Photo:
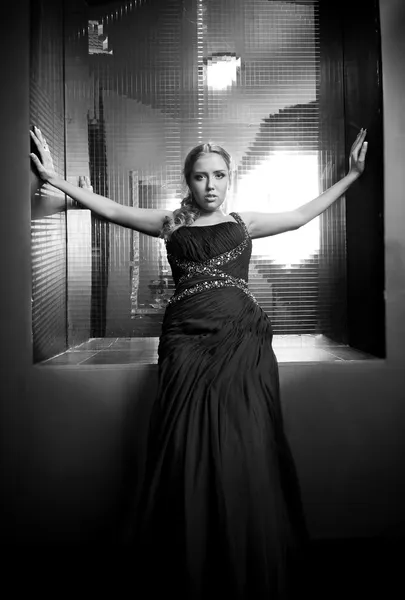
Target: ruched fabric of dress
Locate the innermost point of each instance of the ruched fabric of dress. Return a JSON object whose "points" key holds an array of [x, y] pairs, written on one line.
{"points": [[220, 511]]}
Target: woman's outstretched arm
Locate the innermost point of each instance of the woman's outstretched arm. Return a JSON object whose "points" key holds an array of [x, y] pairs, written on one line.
{"points": [[144, 220], [266, 224]]}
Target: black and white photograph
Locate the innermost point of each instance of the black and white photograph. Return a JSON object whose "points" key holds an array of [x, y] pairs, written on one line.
{"points": [[203, 299]]}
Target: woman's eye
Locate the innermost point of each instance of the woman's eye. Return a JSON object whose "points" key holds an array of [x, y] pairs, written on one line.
{"points": [[220, 175]]}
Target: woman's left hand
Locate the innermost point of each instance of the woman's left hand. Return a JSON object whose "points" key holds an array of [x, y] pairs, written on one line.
{"points": [[357, 159]]}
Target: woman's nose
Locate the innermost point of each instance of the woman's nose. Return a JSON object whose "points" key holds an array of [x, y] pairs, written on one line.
{"points": [[210, 184]]}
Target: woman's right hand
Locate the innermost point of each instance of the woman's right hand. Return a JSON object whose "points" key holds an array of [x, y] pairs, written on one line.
{"points": [[45, 166]]}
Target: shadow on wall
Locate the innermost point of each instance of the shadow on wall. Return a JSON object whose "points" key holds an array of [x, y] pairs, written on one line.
{"points": [[395, 264], [72, 479]]}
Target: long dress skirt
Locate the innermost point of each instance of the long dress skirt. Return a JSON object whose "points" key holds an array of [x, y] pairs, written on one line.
{"points": [[220, 511]]}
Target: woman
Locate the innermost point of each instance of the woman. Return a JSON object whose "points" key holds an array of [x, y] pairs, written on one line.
{"points": [[220, 511]]}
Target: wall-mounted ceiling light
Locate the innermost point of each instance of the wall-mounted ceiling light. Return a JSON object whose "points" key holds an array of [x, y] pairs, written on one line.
{"points": [[222, 71]]}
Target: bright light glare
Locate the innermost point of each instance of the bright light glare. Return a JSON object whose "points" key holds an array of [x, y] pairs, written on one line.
{"points": [[222, 72], [282, 183]]}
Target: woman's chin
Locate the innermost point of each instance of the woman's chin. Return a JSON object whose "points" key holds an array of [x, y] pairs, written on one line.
{"points": [[211, 205]]}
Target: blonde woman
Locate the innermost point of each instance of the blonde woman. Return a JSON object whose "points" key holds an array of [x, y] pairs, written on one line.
{"points": [[220, 511]]}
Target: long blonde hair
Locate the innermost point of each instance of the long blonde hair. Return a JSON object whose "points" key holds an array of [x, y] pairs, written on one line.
{"points": [[189, 210]]}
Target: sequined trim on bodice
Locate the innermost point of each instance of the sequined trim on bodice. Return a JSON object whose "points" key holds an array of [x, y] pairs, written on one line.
{"points": [[211, 268]]}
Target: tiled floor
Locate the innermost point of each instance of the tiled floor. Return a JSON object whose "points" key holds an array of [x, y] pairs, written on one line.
{"points": [[143, 350]]}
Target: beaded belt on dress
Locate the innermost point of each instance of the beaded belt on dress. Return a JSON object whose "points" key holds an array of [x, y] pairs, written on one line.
{"points": [[210, 269]]}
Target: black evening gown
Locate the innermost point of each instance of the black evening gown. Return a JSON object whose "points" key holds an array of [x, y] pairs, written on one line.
{"points": [[220, 511]]}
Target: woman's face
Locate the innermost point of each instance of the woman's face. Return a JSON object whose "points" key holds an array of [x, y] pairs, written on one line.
{"points": [[209, 181]]}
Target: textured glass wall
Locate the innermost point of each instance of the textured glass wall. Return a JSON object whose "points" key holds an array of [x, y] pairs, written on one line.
{"points": [[147, 80], [48, 224]]}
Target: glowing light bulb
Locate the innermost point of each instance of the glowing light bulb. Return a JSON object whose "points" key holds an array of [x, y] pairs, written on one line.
{"points": [[222, 71]]}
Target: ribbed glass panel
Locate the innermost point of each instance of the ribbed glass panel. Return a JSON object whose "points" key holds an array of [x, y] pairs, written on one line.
{"points": [[148, 80], [332, 305], [48, 230]]}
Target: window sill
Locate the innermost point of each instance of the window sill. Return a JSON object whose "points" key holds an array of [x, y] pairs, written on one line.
{"points": [[142, 352]]}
